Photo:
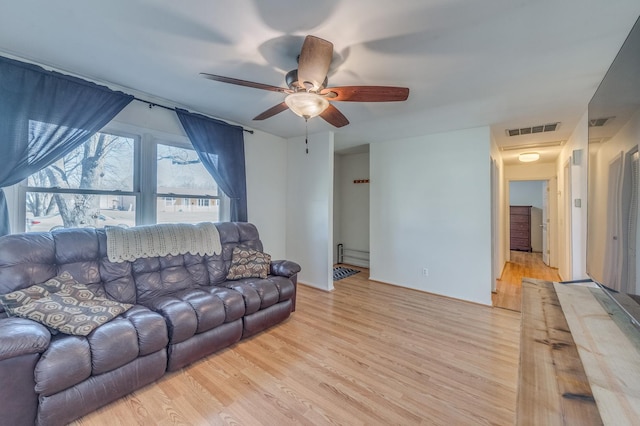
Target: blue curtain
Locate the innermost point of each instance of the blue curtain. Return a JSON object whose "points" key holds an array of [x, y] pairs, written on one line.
{"points": [[220, 147], [44, 115]]}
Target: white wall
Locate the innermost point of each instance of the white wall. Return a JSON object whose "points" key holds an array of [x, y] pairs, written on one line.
{"points": [[266, 168], [309, 232], [430, 207], [574, 267], [353, 205], [157, 119], [526, 193]]}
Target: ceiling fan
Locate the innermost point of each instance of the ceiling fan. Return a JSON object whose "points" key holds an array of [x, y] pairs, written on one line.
{"points": [[307, 93]]}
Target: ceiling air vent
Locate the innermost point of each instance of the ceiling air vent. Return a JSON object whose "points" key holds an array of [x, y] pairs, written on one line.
{"points": [[550, 127], [599, 122]]}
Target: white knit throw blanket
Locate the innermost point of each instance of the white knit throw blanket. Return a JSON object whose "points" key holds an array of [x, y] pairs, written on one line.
{"points": [[162, 239]]}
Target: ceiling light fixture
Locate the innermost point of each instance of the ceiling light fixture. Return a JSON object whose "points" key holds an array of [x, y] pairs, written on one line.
{"points": [[306, 104], [528, 157]]}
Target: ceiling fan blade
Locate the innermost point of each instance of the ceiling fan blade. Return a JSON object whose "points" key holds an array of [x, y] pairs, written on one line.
{"points": [[314, 61], [332, 116], [366, 93], [244, 83], [272, 111]]}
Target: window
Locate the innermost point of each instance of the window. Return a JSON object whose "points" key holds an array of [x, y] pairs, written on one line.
{"points": [[92, 186], [123, 179], [186, 192]]}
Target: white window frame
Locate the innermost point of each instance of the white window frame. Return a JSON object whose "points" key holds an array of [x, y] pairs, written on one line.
{"points": [[144, 184], [223, 210], [23, 187]]}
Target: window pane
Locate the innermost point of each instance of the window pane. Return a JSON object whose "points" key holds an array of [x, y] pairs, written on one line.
{"points": [[187, 210], [103, 162], [46, 210], [181, 172]]}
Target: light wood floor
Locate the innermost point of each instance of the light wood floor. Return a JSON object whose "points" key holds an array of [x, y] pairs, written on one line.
{"points": [[509, 287], [366, 353]]}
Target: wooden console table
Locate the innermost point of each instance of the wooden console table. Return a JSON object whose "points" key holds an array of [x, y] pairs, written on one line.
{"points": [[577, 366]]}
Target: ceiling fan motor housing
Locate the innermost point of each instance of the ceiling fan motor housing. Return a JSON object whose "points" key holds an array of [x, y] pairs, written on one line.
{"points": [[292, 81]]}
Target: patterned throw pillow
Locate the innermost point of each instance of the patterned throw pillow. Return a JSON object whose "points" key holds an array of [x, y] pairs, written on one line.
{"points": [[73, 310], [18, 298], [247, 263]]}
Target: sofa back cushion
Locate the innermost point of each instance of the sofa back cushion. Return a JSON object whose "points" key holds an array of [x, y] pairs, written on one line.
{"points": [[158, 276], [83, 253], [117, 278], [25, 260], [35, 257], [232, 235]]}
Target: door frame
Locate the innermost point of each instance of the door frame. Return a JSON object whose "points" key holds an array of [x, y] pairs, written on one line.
{"points": [[566, 228], [552, 184], [545, 223]]}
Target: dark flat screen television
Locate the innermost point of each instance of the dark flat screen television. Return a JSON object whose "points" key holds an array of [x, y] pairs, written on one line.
{"points": [[613, 213]]}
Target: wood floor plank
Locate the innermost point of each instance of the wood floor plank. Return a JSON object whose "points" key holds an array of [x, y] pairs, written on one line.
{"points": [[366, 353], [508, 293]]}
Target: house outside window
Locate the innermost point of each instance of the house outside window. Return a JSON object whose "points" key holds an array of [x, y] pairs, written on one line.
{"points": [[182, 177]]}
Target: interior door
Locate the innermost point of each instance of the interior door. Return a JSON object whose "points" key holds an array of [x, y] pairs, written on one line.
{"points": [[613, 240], [545, 222]]}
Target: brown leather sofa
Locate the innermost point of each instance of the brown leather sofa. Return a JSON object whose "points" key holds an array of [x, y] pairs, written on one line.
{"points": [[184, 309]]}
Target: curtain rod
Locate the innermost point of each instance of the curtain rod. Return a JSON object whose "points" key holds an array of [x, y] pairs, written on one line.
{"points": [[153, 104]]}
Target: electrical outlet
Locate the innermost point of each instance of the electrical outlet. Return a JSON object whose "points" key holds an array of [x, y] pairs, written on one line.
{"points": [[425, 272]]}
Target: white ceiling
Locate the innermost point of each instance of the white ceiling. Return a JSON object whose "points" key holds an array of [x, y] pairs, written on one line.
{"points": [[468, 63]]}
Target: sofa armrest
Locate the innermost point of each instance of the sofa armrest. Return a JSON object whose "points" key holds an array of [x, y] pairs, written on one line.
{"points": [[20, 336], [284, 268], [21, 343]]}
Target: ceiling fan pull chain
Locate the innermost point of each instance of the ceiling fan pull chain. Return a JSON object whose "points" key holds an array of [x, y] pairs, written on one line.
{"points": [[306, 134]]}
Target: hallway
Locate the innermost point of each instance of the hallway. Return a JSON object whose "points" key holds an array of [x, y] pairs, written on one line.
{"points": [[509, 286]]}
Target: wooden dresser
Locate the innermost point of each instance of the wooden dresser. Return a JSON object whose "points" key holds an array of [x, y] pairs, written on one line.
{"points": [[520, 227]]}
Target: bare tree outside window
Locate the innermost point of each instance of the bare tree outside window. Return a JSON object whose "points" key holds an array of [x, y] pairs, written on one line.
{"points": [[95, 185], [103, 163]]}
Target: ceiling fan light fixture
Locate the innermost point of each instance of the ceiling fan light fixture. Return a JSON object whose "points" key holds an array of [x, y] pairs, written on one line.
{"points": [[528, 157], [306, 104]]}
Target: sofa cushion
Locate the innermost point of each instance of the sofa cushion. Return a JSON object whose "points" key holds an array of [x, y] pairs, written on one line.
{"points": [[196, 310], [66, 362], [73, 310], [120, 334], [248, 263], [18, 298], [159, 276], [261, 293], [69, 360]]}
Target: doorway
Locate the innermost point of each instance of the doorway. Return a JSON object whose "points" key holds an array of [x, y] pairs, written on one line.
{"points": [[351, 207], [529, 221], [532, 199]]}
